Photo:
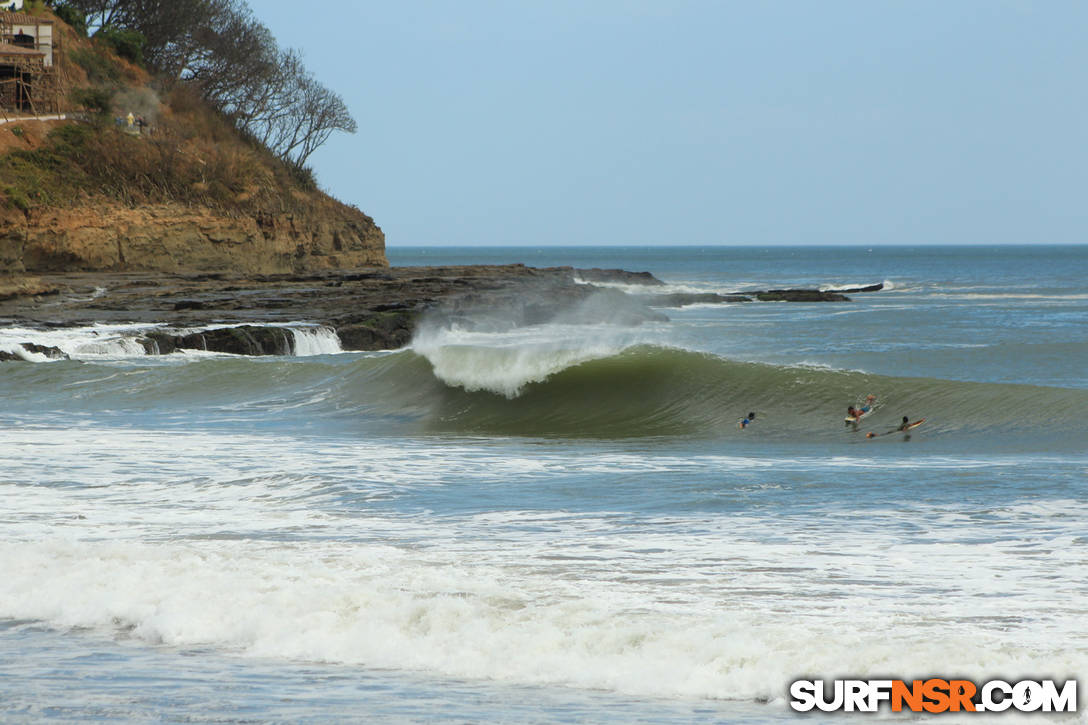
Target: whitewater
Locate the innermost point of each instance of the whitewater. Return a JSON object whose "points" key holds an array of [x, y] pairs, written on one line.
{"points": [[560, 522]]}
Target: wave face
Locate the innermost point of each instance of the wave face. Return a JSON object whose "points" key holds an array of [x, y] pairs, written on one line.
{"points": [[608, 389], [648, 390]]}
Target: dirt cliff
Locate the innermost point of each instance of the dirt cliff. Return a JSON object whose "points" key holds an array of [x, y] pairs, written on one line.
{"points": [[181, 192], [318, 234]]}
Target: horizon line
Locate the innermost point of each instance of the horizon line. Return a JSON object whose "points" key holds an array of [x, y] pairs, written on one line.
{"points": [[861, 245]]}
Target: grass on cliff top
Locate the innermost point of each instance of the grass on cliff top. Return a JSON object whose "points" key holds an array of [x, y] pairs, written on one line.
{"points": [[192, 156]]}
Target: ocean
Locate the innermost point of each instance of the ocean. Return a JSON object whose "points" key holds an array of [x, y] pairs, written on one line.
{"points": [[562, 522]]}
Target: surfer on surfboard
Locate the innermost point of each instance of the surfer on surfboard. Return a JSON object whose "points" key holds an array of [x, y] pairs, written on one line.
{"points": [[904, 427], [853, 415], [745, 422]]}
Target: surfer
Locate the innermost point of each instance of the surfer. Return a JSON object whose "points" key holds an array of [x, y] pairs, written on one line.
{"points": [[748, 421], [854, 414], [904, 427]]}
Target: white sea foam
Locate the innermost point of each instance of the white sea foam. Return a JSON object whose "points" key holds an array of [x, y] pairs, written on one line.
{"points": [[635, 289], [839, 286], [102, 341], [93, 342], [652, 612], [315, 341], [1010, 296], [279, 551]]}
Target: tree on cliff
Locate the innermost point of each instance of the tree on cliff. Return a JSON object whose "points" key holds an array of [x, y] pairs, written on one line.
{"points": [[220, 48]]}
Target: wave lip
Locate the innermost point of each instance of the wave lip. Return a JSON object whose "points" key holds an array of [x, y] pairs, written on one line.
{"points": [[506, 363]]}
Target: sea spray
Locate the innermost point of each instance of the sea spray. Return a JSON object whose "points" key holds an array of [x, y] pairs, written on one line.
{"points": [[504, 363]]}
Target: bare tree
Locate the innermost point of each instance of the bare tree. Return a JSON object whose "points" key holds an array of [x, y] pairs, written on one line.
{"points": [[232, 58], [99, 13], [311, 119]]}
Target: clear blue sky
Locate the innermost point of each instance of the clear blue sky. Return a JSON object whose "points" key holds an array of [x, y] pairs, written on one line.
{"points": [[702, 122]]}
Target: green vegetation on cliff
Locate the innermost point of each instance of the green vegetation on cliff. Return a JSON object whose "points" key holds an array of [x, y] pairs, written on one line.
{"points": [[190, 155], [179, 129]]}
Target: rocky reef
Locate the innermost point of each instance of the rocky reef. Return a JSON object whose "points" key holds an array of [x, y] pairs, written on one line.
{"points": [[370, 308]]}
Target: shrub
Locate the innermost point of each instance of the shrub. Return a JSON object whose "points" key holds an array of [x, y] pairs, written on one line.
{"points": [[95, 100], [70, 136], [75, 18], [17, 198], [129, 44], [302, 175], [99, 68]]}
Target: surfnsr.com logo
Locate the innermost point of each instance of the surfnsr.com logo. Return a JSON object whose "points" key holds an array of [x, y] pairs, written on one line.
{"points": [[934, 695]]}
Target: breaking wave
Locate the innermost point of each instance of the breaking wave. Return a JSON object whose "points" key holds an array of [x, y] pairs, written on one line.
{"points": [[607, 388]]}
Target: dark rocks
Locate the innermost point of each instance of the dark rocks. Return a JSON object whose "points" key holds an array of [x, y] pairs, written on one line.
{"points": [[683, 299], [383, 331], [799, 295], [369, 308], [869, 288], [159, 343], [359, 276], [243, 340], [614, 276], [53, 353], [189, 305], [391, 306]]}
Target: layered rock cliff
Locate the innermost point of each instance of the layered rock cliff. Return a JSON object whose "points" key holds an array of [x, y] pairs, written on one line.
{"points": [[318, 234]]}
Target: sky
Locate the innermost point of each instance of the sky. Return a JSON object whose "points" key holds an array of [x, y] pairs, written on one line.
{"points": [[700, 122]]}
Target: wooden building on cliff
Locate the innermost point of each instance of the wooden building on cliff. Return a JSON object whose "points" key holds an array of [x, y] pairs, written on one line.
{"points": [[28, 79]]}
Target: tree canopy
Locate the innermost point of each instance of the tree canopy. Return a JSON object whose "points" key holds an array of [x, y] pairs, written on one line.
{"points": [[220, 48]]}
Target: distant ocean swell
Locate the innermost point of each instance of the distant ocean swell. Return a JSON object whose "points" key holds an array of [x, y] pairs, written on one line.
{"points": [[640, 390]]}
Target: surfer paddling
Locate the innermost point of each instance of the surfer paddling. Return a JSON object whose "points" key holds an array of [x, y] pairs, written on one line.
{"points": [[904, 427], [747, 421]]}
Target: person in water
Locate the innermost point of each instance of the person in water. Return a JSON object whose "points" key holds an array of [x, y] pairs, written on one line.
{"points": [[903, 427], [748, 421], [856, 413]]}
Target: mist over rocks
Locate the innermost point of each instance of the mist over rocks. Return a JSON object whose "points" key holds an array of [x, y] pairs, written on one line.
{"points": [[376, 308]]}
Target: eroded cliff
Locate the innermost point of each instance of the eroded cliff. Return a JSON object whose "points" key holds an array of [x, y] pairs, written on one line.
{"points": [[319, 233]]}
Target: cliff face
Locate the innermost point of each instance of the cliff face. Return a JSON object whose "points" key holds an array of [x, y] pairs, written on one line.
{"points": [[320, 234], [187, 193]]}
